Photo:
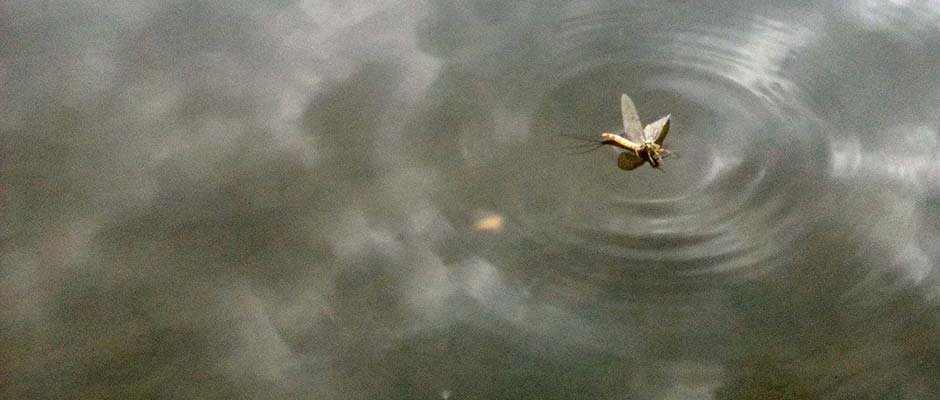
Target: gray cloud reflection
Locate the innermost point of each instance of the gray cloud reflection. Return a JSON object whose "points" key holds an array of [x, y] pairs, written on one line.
{"points": [[295, 199]]}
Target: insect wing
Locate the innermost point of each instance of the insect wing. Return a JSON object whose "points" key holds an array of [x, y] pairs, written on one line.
{"points": [[656, 131], [632, 128], [628, 161]]}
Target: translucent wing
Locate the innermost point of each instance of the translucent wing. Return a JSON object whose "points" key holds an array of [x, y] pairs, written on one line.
{"points": [[632, 128], [656, 132], [628, 160]]}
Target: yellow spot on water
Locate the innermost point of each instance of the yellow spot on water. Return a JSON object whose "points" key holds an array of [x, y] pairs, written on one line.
{"points": [[490, 223]]}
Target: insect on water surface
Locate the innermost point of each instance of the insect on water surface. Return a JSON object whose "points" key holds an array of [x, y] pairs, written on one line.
{"points": [[640, 145]]}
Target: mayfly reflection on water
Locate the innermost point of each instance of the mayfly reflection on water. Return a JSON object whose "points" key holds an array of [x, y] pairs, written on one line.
{"points": [[639, 144]]}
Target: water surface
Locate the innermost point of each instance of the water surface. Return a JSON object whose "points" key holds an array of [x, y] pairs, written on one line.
{"points": [[312, 199]]}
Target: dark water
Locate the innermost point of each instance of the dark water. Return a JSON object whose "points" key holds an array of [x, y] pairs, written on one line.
{"points": [[318, 199]]}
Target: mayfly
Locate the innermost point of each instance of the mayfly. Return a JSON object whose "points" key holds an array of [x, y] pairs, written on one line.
{"points": [[640, 145]]}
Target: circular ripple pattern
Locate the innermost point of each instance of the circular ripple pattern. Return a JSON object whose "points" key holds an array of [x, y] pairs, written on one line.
{"points": [[808, 161], [753, 158]]}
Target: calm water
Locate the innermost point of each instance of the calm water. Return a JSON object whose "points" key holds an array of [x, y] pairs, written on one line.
{"points": [[312, 199]]}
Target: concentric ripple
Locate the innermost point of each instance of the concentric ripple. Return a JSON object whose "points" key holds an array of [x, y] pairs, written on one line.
{"points": [[753, 157], [806, 176]]}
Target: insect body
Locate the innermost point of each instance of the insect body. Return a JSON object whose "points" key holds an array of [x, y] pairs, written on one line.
{"points": [[640, 145]]}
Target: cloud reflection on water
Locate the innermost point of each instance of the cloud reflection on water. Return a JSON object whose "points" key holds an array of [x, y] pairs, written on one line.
{"points": [[283, 199]]}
